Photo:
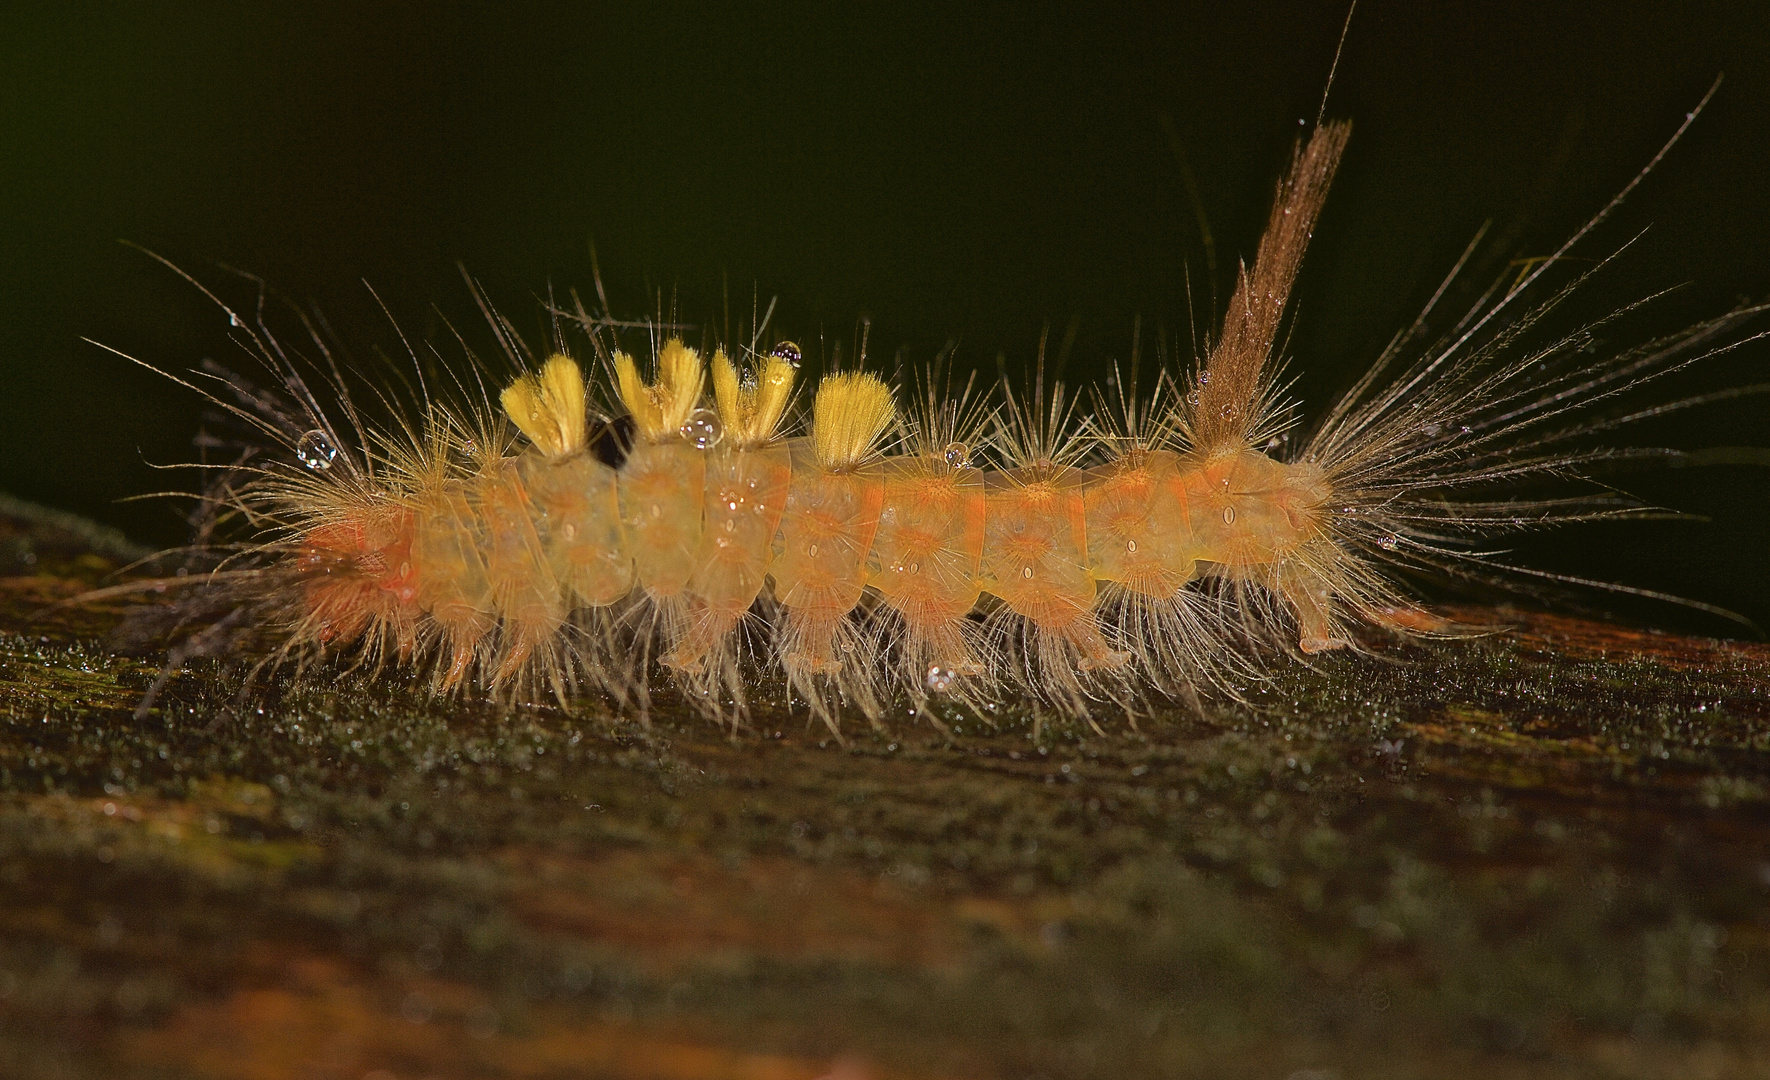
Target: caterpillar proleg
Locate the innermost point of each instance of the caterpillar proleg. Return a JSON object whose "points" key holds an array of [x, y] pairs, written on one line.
{"points": [[611, 527]]}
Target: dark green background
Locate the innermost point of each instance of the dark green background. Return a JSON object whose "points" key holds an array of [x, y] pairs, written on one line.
{"points": [[967, 171]]}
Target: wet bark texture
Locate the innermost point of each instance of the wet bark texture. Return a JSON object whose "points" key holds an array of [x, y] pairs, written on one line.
{"points": [[1540, 854]]}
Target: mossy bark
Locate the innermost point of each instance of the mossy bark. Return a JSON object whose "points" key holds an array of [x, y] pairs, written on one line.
{"points": [[1541, 853]]}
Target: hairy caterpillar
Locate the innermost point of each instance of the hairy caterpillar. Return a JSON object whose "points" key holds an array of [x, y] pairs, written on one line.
{"points": [[550, 542]]}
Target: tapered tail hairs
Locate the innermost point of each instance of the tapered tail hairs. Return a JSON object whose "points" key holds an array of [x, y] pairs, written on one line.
{"points": [[629, 510]]}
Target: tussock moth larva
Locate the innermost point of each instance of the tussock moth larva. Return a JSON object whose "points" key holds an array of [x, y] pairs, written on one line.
{"points": [[602, 532]]}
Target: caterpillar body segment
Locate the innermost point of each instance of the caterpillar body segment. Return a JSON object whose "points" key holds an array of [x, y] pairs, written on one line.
{"points": [[661, 491], [820, 564], [577, 506], [926, 566], [661, 484], [1143, 557], [454, 586], [746, 492], [1135, 514], [747, 480], [529, 597], [1036, 564], [820, 554], [357, 580]]}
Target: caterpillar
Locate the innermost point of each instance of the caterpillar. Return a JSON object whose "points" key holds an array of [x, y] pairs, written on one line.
{"points": [[599, 531]]}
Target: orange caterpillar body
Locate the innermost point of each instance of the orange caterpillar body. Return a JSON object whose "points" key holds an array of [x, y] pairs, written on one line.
{"points": [[708, 516], [1142, 551], [493, 566]]}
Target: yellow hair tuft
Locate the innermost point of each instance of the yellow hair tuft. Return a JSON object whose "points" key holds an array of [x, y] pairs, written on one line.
{"points": [[848, 417], [548, 407], [660, 409], [751, 413]]}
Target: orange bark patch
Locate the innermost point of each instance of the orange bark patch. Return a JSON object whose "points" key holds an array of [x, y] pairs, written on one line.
{"points": [[323, 1019]]}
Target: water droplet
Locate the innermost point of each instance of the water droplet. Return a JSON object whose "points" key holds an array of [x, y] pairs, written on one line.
{"points": [[939, 678], [316, 450], [1228, 412], [789, 352], [702, 429], [958, 455], [1204, 378], [1026, 572], [232, 319], [1387, 543], [811, 550], [1229, 515], [1130, 545]]}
